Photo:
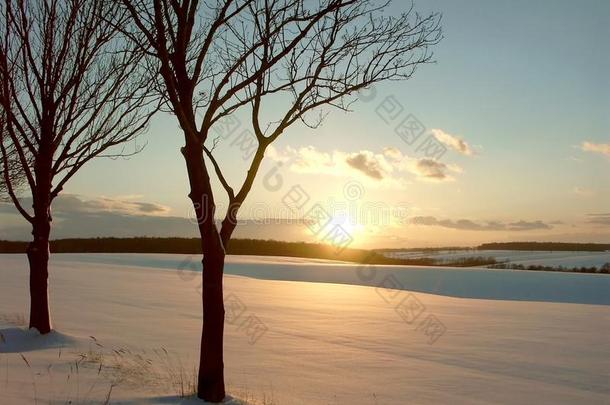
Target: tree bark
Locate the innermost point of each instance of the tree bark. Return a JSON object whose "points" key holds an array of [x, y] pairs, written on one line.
{"points": [[38, 257], [211, 386], [38, 250]]}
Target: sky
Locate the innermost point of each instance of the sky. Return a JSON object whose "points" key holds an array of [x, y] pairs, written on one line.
{"points": [[519, 96]]}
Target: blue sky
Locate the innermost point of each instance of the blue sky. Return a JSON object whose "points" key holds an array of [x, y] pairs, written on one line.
{"points": [[523, 84]]}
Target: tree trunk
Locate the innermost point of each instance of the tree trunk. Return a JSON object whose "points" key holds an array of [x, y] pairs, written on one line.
{"points": [[38, 257], [211, 386]]}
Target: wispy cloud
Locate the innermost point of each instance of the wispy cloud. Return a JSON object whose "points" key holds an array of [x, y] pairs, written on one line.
{"points": [[603, 148], [470, 225], [454, 142], [78, 216], [599, 219], [583, 191], [74, 203], [121, 205], [527, 226], [75, 216], [390, 165]]}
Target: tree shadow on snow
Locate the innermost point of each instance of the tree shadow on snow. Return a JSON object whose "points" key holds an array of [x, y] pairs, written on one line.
{"points": [[18, 340]]}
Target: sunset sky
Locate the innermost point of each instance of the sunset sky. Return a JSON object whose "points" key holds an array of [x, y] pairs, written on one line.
{"points": [[519, 96]]}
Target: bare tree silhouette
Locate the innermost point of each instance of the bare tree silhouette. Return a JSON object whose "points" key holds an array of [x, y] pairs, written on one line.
{"points": [[15, 176], [216, 57], [71, 89]]}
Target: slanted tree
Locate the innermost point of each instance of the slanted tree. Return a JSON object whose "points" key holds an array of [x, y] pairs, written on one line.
{"points": [[219, 56], [71, 89]]}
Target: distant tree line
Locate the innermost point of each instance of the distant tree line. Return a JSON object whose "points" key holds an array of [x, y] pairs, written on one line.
{"points": [[289, 249], [604, 269], [546, 246], [239, 247], [188, 246]]}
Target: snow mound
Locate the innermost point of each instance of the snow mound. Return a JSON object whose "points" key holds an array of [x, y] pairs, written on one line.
{"points": [[193, 400], [18, 340]]}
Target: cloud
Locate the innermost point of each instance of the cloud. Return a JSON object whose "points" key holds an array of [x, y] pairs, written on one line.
{"points": [[367, 163], [603, 148], [388, 166], [393, 153], [582, 191], [469, 225], [308, 159], [454, 142], [527, 226], [77, 217], [431, 169], [599, 219], [75, 203]]}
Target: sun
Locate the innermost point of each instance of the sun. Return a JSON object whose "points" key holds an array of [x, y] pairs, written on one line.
{"points": [[351, 227]]}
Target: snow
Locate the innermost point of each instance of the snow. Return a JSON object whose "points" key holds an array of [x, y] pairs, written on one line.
{"points": [[461, 282], [20, 340], [330, 335], [555, 258]]}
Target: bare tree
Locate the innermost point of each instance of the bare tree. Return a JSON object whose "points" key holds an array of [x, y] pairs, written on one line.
{"points": [[3, 186], [15, 175], [17, 179], [219, 56], [71, 89]]}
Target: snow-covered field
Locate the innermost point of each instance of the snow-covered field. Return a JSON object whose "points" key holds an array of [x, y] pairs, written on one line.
{"points": [[308, 332], [557, 258]]}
